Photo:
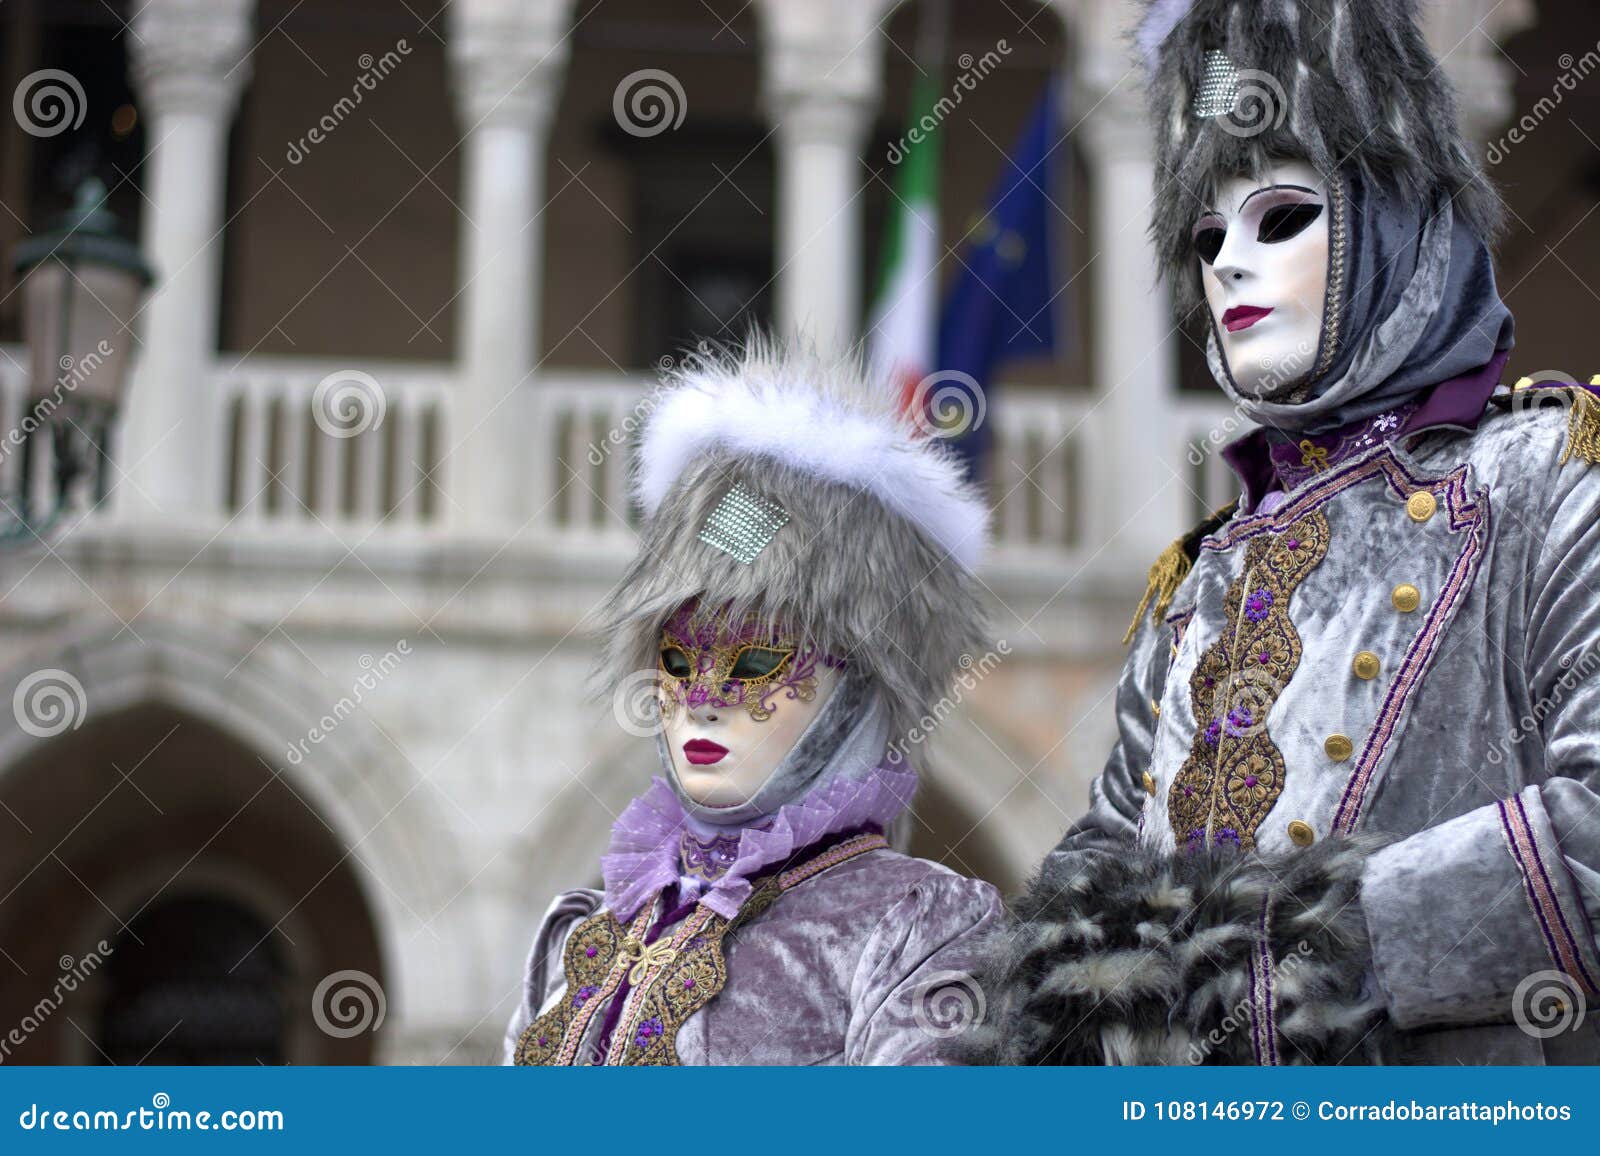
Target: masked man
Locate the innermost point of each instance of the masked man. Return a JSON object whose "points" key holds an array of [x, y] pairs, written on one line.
{"points": [[802, 594], [1352, 814]]}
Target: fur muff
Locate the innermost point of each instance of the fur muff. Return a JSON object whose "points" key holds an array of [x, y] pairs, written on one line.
{"points": [[875, 564], [1143, 958], [1347, 85]]}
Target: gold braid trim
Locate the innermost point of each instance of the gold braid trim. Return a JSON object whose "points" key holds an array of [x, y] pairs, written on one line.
{"points": [[1166, 576], [1583, 428], [1173, 567]]}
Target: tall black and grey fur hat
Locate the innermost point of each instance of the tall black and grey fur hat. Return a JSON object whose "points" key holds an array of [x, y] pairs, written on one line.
{"points": [[1347, 85], [789, 487]]}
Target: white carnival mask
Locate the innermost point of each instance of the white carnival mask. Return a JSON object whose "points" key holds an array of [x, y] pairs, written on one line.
{"points": [[1263, 253], [735, 700]]}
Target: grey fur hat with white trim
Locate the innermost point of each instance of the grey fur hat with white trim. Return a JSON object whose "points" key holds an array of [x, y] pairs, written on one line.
{"points": [[880, 533], [1347, 85]]}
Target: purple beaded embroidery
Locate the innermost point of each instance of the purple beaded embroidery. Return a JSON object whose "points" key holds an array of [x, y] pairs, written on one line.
{"points": [[1258, 605], [584, 995], [648, 1030]]}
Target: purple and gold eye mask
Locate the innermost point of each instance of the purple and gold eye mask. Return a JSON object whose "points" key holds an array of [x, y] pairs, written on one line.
{"points": [[710, 662]]}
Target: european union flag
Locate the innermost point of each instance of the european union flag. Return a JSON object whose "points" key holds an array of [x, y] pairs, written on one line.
{"points": [[1001, 306]]}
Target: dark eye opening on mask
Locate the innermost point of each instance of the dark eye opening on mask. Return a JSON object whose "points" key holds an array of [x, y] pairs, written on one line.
{"points": [[1284, 222], [1208, 242], [675, 662], [757, 662]]}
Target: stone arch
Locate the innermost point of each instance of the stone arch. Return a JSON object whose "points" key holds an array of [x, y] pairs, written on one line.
{"points": [[259, 696]]}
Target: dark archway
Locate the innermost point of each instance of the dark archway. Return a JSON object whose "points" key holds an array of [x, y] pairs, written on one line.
{"points": [[167, 897], [195, 979]]}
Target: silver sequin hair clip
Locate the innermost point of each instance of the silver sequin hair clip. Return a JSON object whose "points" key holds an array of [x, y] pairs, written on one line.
{"points": [[742, 524]]}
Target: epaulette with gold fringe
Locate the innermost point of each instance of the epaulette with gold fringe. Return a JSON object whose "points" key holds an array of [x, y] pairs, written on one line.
{"points": [[1583, 412], [1169, 570]]}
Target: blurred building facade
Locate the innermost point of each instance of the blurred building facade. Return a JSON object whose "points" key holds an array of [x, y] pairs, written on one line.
{"points": [[317, 631]]}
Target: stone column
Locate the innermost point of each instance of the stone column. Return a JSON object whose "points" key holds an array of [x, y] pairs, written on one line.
{"points": [[189, 60], [823, 74], [508, 58], [1138, 500]]}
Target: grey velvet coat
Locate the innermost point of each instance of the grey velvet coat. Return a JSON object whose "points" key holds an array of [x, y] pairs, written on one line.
{"points": [[1463, 723], [868, 962]]}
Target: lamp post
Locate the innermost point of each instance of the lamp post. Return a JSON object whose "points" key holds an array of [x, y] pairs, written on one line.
{"points": [[82, 285]]}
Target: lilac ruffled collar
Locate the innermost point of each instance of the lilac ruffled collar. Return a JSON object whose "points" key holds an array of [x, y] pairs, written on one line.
{"points": [[644, 854]]}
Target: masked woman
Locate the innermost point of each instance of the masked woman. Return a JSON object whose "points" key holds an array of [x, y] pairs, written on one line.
{"points": [[1354, 811], [802, 595]]}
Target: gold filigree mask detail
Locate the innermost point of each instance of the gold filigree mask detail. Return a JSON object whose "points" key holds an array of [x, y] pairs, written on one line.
{"points": [[705, 662]]}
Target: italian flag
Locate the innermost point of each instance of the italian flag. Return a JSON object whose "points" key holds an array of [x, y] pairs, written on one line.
{"points": [[903, 339]]}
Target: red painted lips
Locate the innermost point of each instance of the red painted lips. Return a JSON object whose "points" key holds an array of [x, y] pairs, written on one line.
{"points": [[703, 752], [1243, 317]]}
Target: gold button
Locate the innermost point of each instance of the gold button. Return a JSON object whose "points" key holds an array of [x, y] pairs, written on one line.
{"points": [[1421, 506], [1149, 783], [1366, 665], [1406, 598], [1339, 747], [1301, 834]]}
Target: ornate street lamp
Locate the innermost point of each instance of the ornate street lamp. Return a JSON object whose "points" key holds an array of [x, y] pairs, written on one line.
{"points": [[82, 285]]}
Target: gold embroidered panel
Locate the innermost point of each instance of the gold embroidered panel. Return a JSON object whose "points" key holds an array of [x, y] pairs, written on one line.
{"points": [[1234, 772], [668, 980]]}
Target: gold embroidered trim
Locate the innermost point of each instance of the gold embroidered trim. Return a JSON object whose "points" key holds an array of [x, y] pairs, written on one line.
{"points": [[592, 950], [1234, 772], [670, 979]]}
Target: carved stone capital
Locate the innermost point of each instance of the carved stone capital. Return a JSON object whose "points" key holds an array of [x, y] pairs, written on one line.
{"points": [[191, 55], [508, 60]]}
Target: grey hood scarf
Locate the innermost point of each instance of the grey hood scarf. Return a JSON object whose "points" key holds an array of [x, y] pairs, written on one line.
{"points": [[1411, 302]]}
